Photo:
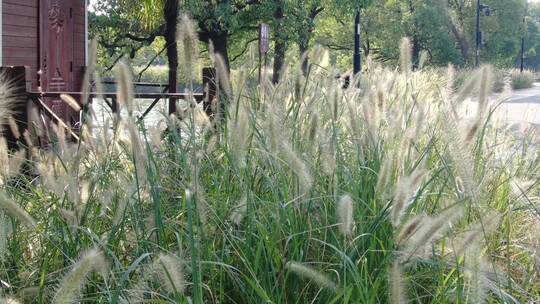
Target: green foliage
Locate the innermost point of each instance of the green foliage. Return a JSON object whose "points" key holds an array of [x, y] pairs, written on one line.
{"points": [[443, 30], [503, 31]]}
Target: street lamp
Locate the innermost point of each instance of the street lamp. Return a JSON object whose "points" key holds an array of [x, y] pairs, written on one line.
{"points": [[522, 57], [357, 58], [479, 35]]}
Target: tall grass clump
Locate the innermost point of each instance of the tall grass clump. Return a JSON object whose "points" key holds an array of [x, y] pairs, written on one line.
{"points": [[303, 191], [521, 80]]}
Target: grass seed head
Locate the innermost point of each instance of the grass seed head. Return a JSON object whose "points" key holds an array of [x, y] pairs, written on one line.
{"points": [[71, 284], [125, 86], [13, 209], [71, 102], [432, 228], [7, 98], [405, 55], [239, 211], [298, 166], [187, 36], [238, 134], [13, 126], [345, 211], [311, 274], [397, 284], [169, 270]]}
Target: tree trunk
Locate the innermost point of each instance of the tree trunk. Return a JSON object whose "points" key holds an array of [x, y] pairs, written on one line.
{"points": [[305, 36], [220, 41], [221, 47], [280, 46], [415, 51], [367, 46], [171, 19], [303, 47], [415, 40], [279, 58], [462, 42]]}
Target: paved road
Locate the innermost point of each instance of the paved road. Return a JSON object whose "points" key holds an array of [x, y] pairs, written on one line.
{"points": [[523, 107]]}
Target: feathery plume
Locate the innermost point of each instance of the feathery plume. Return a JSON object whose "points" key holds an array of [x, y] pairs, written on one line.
{"points": [[410, 228], [70, 101], [484, 91], [345, 214], [424, 57], [5, 230], [11, 208], [466, 89], [272, 125], [170, 272], [189, 40], [239, 211], [7, 98], [29, 294], [125, 86], [4, 157], [486, 83], [405, 55], [314, 125], [71, 284], [404, 190], [477, 281], [14, 127], [238, 134], [396, 282], [92, 59], [311, 274], [328, 158], [137, 150], [298, 166], [155, 137], [477, 232], [383, 174], [354, 124], [15, 162], [450, 82], [432, 228], [460, 154], [122, 200], [223, 75], [201, 204], [69, 216]]}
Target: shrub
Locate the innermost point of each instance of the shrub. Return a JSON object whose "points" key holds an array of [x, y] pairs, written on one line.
{"points": [[522, 80], [499, 79]]}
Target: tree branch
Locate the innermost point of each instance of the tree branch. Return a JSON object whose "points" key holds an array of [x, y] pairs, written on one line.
{"points": [[246, 46], [315, 11], [335, 47], [160, 31], [150, 63], [113, 64]]}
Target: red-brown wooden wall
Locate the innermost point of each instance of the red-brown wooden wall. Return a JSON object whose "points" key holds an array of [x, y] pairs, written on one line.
{"points": [[20, 36]]}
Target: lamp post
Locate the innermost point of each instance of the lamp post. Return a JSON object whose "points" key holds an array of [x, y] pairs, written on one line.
{"points": [[522, 57], [357, 58], [479, 35]]}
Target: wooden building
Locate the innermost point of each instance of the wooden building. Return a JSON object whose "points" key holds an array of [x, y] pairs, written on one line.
{"points": [[49, 37]]}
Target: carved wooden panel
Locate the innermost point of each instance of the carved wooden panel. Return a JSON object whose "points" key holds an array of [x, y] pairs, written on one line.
{"points": [[56, 53]]}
